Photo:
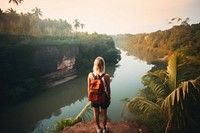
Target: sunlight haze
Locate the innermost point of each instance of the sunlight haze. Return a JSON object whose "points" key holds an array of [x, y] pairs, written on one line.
{"points": [[114, 16]]}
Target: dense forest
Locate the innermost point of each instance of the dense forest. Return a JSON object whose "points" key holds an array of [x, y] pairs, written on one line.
{"points": [[182, 38], [30, 23], [31, 47], [24, 59]]}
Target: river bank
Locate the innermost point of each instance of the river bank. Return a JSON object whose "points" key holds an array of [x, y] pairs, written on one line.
{"points": [[113, 127]]}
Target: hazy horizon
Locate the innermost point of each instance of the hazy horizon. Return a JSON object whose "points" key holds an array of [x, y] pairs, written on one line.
{"points": [[114, 16]]}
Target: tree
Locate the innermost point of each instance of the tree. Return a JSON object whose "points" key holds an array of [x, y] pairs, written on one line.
{"points": [[82, 26], [177, 20], [170, 93], [11, 11], [37, 13], [76, 24], [15, 1]]}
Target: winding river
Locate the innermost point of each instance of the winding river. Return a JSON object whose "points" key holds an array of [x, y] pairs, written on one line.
{"points": [[66, 100]]}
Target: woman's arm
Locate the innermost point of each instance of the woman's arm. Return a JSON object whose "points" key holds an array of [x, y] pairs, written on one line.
{"points": [[107, 79], [89, 80]]}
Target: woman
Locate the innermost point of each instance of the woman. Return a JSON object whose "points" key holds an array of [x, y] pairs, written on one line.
{"points": [[99, 70]]}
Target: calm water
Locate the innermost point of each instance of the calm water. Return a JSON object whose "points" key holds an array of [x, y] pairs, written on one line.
{"points": [[66, 100]]}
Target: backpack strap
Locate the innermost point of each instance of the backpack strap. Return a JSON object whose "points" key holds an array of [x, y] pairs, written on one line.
{"points": [[97, 76], [104, 84], [103, 80], [93, 75]]}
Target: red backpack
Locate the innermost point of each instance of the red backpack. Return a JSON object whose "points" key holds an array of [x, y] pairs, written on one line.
{"points": [[96, 91]]}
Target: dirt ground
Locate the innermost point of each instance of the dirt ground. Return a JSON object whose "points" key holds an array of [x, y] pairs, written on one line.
{"points": [[121, 127]]}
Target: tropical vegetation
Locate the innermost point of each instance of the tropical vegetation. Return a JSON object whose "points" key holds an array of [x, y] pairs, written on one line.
{"points": [[84, 115], [30, 23], [15, 1], [150, 46], [22, 36], [21, 76], [169, 101], [170, 98]]}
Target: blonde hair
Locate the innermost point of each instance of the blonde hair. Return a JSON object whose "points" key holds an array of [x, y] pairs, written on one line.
{"points": [[99, 65]]}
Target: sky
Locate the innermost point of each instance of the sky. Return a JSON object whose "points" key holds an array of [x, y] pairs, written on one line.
{"points": [[114, 16]]}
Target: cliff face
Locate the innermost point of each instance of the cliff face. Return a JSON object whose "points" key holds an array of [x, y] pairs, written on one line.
{"points": [[46, 58], [50, 58]]}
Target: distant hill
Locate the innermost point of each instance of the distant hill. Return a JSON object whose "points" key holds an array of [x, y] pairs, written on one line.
{"points": [[183, 38]]}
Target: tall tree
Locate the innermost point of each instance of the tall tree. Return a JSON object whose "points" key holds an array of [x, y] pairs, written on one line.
{"points": [[76, 24], [37, 13]]}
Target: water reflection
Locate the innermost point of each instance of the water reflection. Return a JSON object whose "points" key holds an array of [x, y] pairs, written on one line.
{"points": [[126, 83], [66, 100], [74, 108]]}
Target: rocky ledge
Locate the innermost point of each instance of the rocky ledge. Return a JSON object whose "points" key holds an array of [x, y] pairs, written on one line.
{"points": [[121, 127]]}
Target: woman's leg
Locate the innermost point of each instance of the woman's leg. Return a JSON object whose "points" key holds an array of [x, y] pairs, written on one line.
{"points": [[104, 117], [96, 117]]}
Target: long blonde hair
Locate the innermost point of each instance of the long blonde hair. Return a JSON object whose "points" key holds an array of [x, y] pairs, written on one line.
{"points": [[99, 65]]}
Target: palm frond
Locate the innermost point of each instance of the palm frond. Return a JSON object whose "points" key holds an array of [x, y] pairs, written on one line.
{"points": [[85, 113], [158, 89], [175, 106], [180, 93], [15, 1], [140, 104], [84, 116], [177, 70], [156, 81], [159, 74]]}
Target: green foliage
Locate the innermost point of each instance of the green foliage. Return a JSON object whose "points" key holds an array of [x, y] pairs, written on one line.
{"points": [[152, 120], [63, 123], [84, 115], [171, 93], [30, 24], [93, 46], [184, 39], [21, 75]]}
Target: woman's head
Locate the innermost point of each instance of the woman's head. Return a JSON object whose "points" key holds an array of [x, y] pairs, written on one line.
{"points": [[99, 65]]}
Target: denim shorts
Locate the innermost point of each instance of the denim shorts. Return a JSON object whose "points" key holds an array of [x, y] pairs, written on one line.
{"points": [[103, 105]]}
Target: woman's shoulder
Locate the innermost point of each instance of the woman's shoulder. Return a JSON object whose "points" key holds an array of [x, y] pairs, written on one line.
{"points": [[90, 75], [107, 76]]}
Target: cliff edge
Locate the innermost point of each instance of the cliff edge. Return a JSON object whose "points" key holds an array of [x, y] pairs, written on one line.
{"points": [[121, 127]]}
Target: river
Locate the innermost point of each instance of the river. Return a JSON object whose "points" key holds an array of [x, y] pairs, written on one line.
{"points": [[66, 100]]}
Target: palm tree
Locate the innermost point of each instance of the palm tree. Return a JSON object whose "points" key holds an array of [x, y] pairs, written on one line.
{"points": [[82, 26], [169, 93], [37, 13], [76, 24], [11, 11], [15, 1]]}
